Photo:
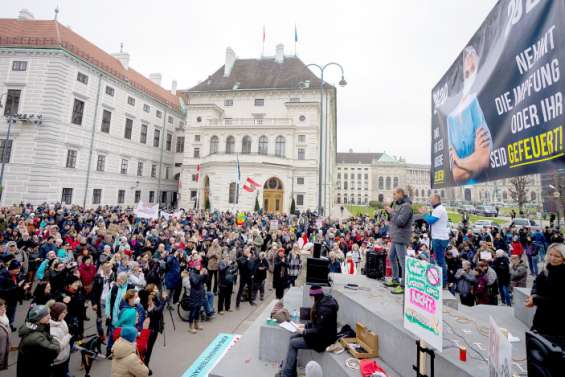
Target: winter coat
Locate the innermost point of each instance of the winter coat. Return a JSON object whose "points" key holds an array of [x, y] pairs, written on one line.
{"points": [[172, 274], [197, 292], [294, 263], [137, 280], [519, 274], [322, 330], [227, 274], [126, 362], [9, 290], [36, 351], [214, 253], [501, 266], [5, 333], [87, 274], [465, 282], [401, 222], [280, 275], [60, 332], [547, 294]]}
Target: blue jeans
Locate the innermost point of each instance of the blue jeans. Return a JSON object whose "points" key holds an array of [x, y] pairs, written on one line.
{"points": [[505, 294], [296, 343], [533, 263], [209, 303], [397, 259], [438, 247]]}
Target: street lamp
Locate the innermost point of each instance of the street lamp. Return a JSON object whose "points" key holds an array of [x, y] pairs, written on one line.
{"points": [[342, 83]]}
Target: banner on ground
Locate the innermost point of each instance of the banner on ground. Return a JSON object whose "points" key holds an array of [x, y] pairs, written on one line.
{"points": [[498, 111], [499, 352], [212, 355], [147, 211], [423, 307]]}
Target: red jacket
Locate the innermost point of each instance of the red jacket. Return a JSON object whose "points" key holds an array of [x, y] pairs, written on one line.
{"points": [[517, 248], [141, 341], [87, 273]]}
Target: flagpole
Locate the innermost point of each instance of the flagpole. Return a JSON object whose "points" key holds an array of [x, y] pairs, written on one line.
{"points": [[263, 47]]}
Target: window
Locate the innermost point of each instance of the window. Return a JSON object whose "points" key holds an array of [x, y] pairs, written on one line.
{"points": [[96, 196], [345, 175], [199, 119], [156, 137], [359, 176], [67, 196], [128, 129], [124, 167], [395, 182], [197, 138], [228, 102], [230, 144], [106, 119], [140, 169], [301, 153], [246, 145], [180, 144], [146, 108], [153, 171], [259, 102], [121, 196], [169, 144], [178, 164], [131, 101], [194, 177], [170, 119], [163, 196], [71, 159], [366, 176], [299, 180], [101, 163], [81, 77], [196, 152], [302, 139], [78, 109], [294, 99], [18, 65], [532, 196], [300, 199], [151, 196], [387, 184], [381, 183], [110, 91], [193, 194], [158, 114], [137, 197], [280, 146], [214, 144], [7, 148], [263, 145], [232, 193], [345, 185], [12, 104], [338, 199], [143, 134]]}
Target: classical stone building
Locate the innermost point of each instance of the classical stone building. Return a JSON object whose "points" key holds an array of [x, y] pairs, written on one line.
{"points": [[264, 113], [107, 133], [365, 177]]}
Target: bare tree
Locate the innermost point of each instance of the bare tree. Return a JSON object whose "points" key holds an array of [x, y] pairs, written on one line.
{"points": [[519, 189]]}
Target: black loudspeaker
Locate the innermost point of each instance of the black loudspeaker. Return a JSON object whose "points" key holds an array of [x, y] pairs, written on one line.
{"points": [[317, 250], [545, 358], [317, 271], [375, 264]]}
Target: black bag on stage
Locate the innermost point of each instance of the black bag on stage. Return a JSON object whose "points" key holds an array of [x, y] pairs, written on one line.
{"points": [[375, 264]]}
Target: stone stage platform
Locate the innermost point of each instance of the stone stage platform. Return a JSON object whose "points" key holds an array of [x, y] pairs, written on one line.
{"points": [[262, 347]]}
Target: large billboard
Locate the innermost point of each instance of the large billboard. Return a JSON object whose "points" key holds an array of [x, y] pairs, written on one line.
{"points": [[498, 111]]}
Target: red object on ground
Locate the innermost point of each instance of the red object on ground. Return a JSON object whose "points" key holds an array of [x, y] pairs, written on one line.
{"points": [[462, 353], [371, 368]]}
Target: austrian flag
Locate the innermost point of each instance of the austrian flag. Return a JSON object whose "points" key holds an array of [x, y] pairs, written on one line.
{"points": [[251, 185]]}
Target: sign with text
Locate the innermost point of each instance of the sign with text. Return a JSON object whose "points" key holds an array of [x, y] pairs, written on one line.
{"points": [[498, 111], [212, 355], [147, 211], [499, 352], [423, 307]]}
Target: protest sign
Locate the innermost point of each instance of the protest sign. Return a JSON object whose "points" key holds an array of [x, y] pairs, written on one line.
{"points": [[423, 301], [147, 211], [498, 111], [500, 352]]}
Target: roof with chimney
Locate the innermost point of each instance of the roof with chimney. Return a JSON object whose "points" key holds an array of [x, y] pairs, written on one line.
{"points": [[264, 73], [40, 34]]}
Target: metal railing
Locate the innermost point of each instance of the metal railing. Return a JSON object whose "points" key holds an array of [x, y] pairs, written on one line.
{"points": [[265, 122]]}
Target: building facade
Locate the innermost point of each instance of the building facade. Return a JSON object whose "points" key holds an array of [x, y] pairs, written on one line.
{"points": [[365, 177], [107, 133], [258, 119]]}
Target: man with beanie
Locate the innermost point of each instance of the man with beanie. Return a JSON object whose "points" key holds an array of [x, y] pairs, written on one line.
{"points": [[125, 360], [317, 334], [12, 288], [37, 348]]}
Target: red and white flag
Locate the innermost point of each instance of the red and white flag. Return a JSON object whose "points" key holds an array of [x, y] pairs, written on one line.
{"points": [[197, 172], [248, 188], [253, 183]]}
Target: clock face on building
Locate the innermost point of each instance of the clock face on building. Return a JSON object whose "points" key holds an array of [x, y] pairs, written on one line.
{"points": [[273, 184]]}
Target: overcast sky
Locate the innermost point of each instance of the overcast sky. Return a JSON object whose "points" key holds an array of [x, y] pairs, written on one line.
{"points": [[393, 52]]}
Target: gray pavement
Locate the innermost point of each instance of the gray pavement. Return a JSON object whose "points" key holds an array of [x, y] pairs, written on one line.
{"points": [[182, 347]]}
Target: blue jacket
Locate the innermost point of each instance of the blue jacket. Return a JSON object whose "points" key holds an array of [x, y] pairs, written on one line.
{"points": [[172, 274]]}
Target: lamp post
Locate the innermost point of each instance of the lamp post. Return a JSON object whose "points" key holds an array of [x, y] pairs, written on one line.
{"points": [[342, 83]]}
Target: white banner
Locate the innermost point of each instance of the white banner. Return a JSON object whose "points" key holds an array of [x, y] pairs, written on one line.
{"points": [[147, 211], [499, 352]]}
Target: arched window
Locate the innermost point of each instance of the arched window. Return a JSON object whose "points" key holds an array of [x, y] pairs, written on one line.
{"points": [[246, 145], [232, 193], [230, 144], [214, 141], [381, 183], [533, 196], [395, 182], [280, 146], [338, 199], [263, 145], [387, 183]]}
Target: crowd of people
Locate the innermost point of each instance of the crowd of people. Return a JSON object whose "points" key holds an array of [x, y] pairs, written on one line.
{"points": [[63, 264]]}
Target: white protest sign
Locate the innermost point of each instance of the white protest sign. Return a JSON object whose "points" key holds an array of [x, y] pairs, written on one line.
{"points": [[499, 352], [147, 211], [423, 307], [274, 224]]}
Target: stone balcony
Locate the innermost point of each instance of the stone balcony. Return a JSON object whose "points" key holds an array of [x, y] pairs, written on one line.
{"points": [[255, 158], [248, 123]]}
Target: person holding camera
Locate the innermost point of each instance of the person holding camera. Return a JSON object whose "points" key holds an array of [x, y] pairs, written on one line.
{"points": [[196, 297]]}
